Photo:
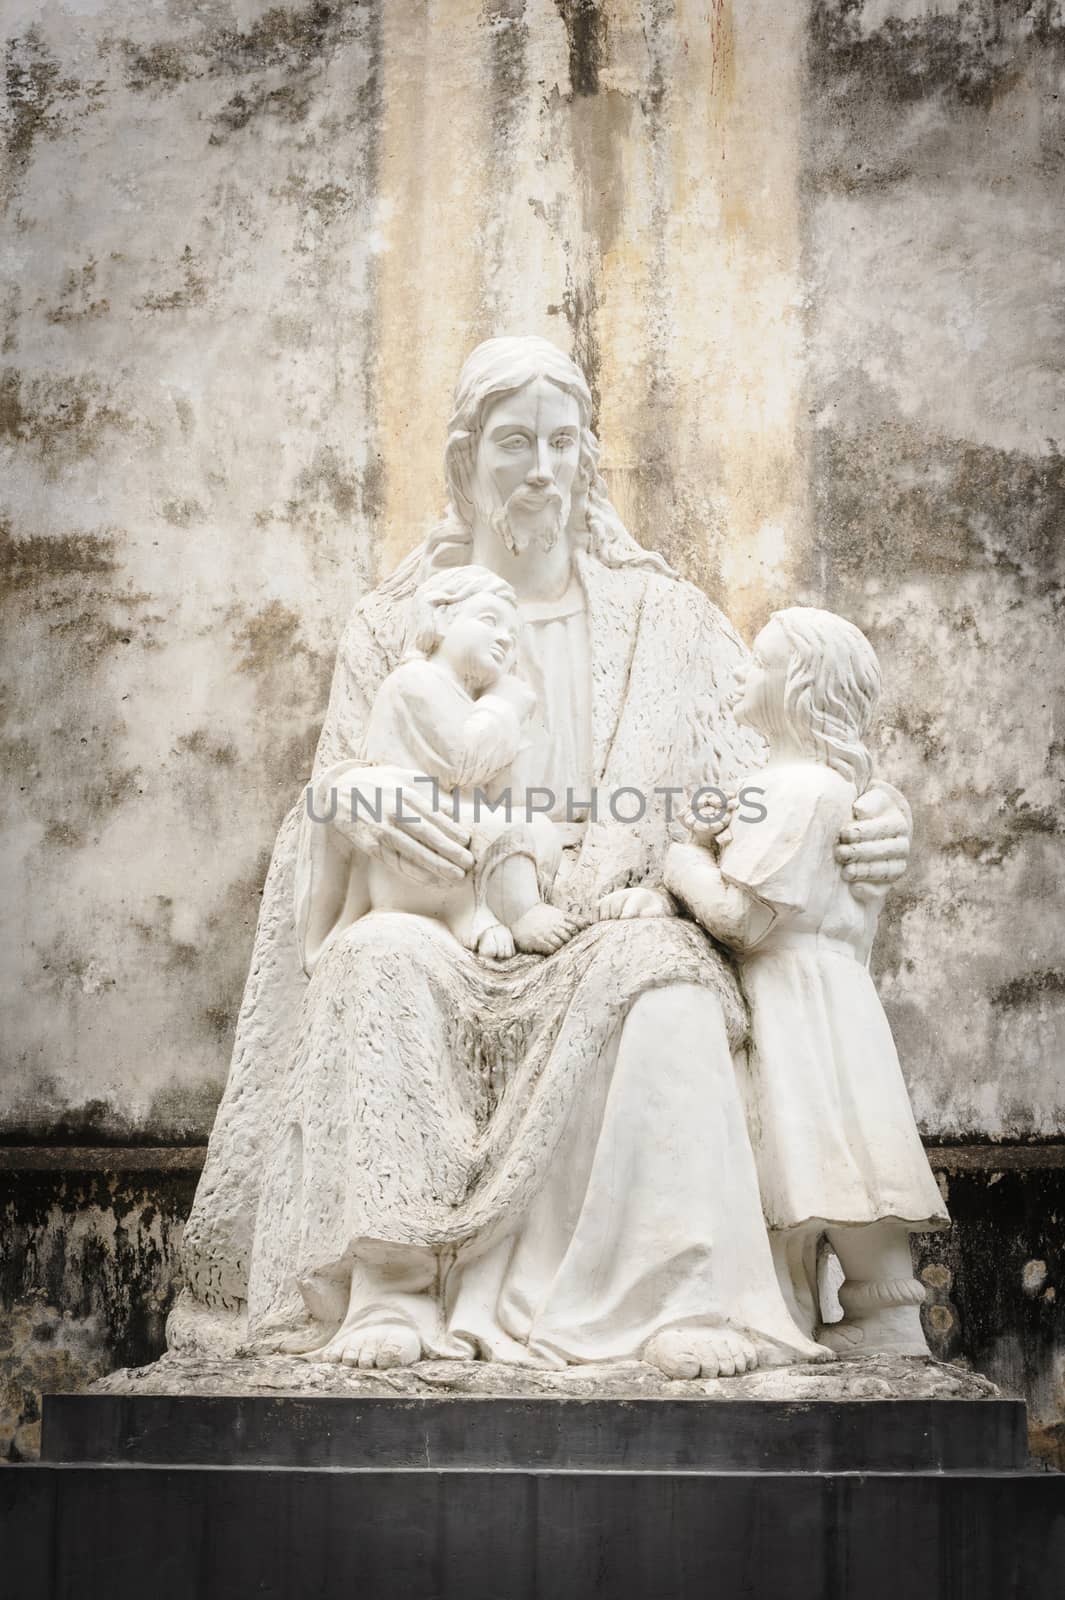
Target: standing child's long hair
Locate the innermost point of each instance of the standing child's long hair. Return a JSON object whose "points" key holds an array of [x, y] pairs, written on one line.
{"points": [[832, 688]]}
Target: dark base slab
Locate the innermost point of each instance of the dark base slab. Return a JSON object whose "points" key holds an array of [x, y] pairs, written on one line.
{"points": [[634, 1434], [536, 1498], [201, 1533]]}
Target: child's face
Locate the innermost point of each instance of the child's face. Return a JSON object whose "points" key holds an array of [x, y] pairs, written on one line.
{"points": [[479, 639], [762, 681]]}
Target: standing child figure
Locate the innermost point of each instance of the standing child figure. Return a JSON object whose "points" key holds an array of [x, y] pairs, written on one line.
{"points": [[830, 1117]]}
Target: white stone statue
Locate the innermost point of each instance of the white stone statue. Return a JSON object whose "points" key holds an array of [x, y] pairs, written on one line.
{"points": [[453, 713], [423, 1152], [834, 1135]]}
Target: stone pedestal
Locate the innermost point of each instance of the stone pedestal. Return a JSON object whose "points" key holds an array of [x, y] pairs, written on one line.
{"points": [[536, 1435], [518, 1496]]}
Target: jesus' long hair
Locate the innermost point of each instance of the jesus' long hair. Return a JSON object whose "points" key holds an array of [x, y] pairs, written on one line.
{"points": [[497, 368]]}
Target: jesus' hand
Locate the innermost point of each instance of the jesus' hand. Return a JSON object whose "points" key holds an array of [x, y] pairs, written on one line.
{"points": [[874, 849], [392, 819]]}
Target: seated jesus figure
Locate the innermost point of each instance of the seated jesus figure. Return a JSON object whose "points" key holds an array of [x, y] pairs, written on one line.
{"points": [[421, 1153]]}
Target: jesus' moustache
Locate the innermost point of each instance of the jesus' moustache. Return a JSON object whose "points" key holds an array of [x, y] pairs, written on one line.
{"points": [[539, 520]]}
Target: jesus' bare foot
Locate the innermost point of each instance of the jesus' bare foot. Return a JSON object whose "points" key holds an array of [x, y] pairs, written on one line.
{"points": [[542, 930], [701, 1352], [376, 1344]]}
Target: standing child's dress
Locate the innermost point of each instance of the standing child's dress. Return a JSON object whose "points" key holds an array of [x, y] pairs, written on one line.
{"points": [[829, 1113]]}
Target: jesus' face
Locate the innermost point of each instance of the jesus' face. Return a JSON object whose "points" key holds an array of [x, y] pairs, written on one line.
{"points": [[527, 457]]}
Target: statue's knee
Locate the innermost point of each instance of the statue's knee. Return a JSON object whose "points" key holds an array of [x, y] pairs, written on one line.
{"points": [[680, 1011], [548, 847], [391, 947], [642, 942]]}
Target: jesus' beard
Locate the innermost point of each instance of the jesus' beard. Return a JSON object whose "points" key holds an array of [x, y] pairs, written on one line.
{"points": [[519, 534]]}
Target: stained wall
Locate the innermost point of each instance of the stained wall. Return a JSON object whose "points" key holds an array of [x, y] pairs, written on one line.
{"points": [[934, 265], [811, 258], [811, 255], [246, 249]]}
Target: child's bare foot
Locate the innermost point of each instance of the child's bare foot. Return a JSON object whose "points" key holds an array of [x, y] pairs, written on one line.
{"points": [[893, 1330], [496, 942], [542, 930]]}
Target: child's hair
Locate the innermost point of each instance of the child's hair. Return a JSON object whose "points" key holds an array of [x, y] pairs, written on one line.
{"points": [[832, 688], [450, 587]]}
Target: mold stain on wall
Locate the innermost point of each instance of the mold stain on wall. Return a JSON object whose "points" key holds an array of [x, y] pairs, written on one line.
{"points": [[88, 1266], [935, 142], [188, 478]]}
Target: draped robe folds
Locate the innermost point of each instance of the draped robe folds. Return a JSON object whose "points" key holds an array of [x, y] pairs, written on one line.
{"points": [[479, 1146]]}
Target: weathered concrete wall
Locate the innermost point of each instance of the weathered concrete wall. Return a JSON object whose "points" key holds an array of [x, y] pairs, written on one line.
{"points": [[247, 249], [934, 181], [994, 1281], [88, 1267], [811, 257]]}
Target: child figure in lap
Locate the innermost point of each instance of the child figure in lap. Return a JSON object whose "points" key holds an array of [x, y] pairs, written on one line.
{"points": [[452, 712]]}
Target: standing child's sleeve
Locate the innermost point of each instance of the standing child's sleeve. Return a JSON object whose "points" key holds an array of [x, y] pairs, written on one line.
{"points": [[780, 858]]}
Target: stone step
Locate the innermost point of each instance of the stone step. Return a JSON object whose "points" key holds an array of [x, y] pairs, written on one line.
{"points": [[152, 1532], [607, 1435]]}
